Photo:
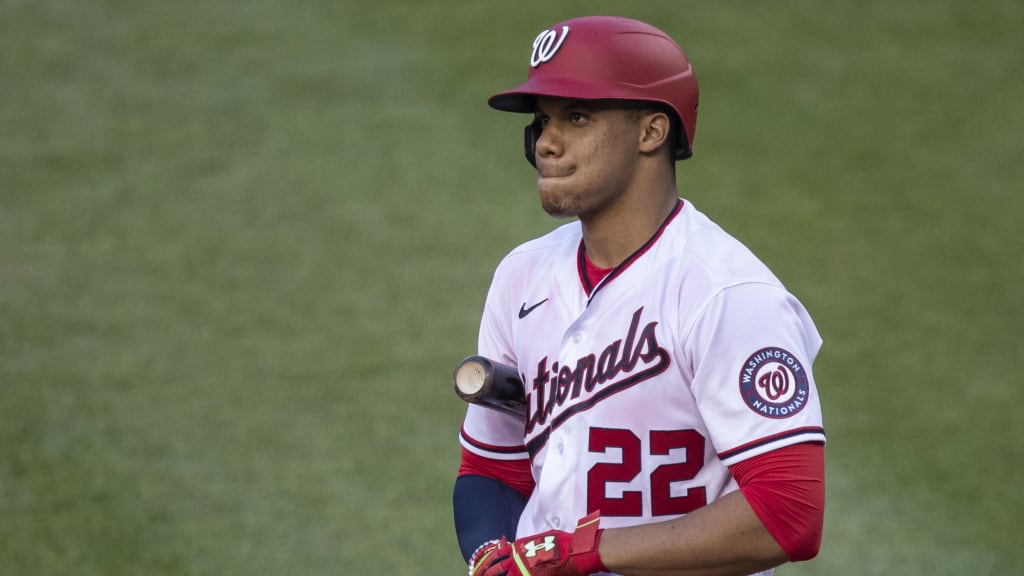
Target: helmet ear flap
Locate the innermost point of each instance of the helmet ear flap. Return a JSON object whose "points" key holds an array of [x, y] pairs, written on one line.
{"points": [[682, 149], [530, 136]]}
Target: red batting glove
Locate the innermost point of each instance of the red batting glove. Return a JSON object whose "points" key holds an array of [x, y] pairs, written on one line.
{"points": [[487, 559], [552, 553]]}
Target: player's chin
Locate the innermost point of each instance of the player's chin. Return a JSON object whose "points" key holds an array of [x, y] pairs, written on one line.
{"points": [[558, 203]]}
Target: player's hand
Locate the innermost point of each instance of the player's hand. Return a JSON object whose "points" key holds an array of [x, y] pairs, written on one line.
{"points": [[489, 555], [552, 553]]}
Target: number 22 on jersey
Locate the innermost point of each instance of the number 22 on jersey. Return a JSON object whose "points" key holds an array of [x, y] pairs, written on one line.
{"points": [[659, 485]]}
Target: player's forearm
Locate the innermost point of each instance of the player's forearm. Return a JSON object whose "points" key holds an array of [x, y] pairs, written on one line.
{"points": [[485, 509], [724, 538]]}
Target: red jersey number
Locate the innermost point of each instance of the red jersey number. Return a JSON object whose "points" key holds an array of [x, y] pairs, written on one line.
{"points": [[631, 501]]}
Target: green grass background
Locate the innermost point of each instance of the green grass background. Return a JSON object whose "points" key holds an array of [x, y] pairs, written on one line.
{"points": [[243, 244]]}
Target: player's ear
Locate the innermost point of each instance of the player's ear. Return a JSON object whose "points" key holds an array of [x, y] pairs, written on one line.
{"points": [[656, 127]]}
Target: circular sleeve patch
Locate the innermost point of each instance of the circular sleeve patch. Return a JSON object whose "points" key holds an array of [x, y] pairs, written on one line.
{"points": [[773, 383]]}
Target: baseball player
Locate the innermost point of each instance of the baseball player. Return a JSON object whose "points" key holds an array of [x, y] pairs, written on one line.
{"points": [[673, 423]]}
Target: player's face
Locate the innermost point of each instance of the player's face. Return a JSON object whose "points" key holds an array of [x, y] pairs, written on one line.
{"points": [[586, 155]]}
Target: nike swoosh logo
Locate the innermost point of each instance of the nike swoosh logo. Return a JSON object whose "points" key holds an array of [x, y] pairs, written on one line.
{"points": [[524, 311]]}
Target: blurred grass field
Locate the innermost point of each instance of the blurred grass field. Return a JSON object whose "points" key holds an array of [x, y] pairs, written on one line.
{"points": [[243, 244]]}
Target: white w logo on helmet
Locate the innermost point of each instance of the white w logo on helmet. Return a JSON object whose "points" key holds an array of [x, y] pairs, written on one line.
{"points": [[546, 45], [532, 547]]}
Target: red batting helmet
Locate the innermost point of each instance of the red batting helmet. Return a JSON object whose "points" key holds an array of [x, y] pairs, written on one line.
{"points": [[605, 57]]}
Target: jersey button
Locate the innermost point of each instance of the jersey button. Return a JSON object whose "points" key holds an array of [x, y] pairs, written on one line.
{"points": [[577, 337], [560, 447], [555, 521]]}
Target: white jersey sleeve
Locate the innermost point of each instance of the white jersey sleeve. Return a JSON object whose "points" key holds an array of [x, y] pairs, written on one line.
{"points": [[751, 351], [486, 432]]}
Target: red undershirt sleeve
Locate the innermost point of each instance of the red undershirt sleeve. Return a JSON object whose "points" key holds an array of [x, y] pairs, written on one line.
{"points": [[515, 473], [786, 489]]}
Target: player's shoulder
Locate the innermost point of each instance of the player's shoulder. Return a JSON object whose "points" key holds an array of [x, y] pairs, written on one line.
{"points": [[558, 244], [705, 250]]}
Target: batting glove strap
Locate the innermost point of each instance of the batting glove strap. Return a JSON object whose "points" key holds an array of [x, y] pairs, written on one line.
{"points": [[585, 541]]}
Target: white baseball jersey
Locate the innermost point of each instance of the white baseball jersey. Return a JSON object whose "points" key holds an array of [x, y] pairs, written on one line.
{"points": [[690, 356]]}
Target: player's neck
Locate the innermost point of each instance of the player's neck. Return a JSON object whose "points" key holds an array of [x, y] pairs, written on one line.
{"points": [[613, 235]]}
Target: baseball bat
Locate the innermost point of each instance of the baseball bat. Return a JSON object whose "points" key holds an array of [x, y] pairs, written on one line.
{"points": [[479, 380]]}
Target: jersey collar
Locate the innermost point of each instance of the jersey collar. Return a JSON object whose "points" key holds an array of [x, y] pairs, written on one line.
{"points": [[581, 256]]}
